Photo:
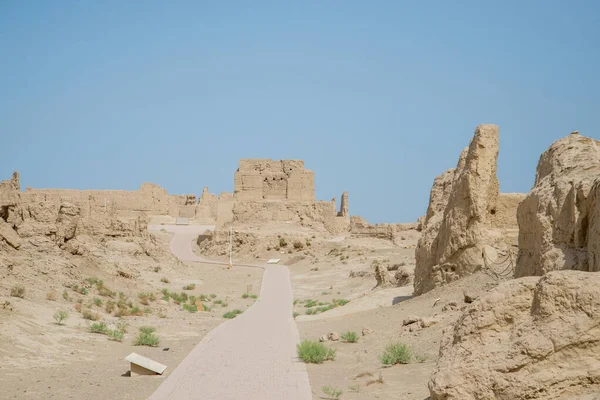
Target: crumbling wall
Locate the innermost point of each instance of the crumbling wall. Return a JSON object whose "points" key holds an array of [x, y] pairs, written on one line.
{"points": [[266, 179], [150, 199], [559, 220], [361, 228]]}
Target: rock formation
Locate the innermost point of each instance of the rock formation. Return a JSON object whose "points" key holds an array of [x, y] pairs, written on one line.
{"points": [[530, 338], [457, 229], [559, 220]]}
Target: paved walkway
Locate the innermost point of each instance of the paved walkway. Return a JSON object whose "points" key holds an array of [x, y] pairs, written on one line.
{"points": [[252, 357]]}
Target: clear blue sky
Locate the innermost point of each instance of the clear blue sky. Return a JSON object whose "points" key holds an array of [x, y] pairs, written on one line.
{"points": [[377, 97]]}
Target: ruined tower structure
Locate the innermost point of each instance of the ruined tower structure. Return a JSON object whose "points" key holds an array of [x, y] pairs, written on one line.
{"points": [[265, 179]]}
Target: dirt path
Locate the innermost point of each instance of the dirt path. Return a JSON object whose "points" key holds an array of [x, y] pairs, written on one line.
{"points": [[250, 357]]}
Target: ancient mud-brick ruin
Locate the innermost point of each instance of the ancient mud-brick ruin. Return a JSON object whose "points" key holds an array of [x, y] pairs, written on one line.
{"points": [[265, 179], [269, 191], [264, 191]]}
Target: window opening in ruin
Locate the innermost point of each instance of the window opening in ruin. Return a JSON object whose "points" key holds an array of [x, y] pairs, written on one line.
{"points": [[4, 213]]}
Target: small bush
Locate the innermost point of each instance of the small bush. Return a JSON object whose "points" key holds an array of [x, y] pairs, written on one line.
{"points": [[51, 296], [218, 302], [191, 286], [282, 242], [314, 352], [213, 296], [295, 314], [106, 292], [245, 295], [396, 353], [94, 281], [310, 303], [298, 245], [66, 296], [156, 269], [340, 302], [109, 307], [136, 311], [98, 327], [61, 316], [311, 311], [232, 314], [164, 280], [115, 335], [146, 337], [350, 337], [122, 325], [190, 308], [98, 302], [333, 392], [207, 307], [89, 315], [18, 291], [147, 329]]}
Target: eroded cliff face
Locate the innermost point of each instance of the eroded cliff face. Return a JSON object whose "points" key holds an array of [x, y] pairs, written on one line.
{"points": [[559, 220], [462, 212], [43, 234], [529, 338]]}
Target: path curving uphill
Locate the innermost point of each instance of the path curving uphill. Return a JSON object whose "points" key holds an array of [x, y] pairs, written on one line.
{"points": [[251, 357]]}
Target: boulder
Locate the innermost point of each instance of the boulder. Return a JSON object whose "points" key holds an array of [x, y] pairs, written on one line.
{"points": [[9, 235], [367, 331], [529, 338], [559, 220], [411, 320], [382, 277], [333, 336]]}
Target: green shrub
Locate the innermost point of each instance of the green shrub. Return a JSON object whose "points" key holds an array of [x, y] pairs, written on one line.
{"points": [[213, 296], [66, 296], [147, 329], [190, 308], [282, 242], [191, 286], [298, 245], [333, 392], [146, 339], [60, 316], [115, 335], [89, 315], [218, 302], [295, 314], [396, 353], [314, 352], [311, 311], [135, 311], [245, 295], [206, 307], [232, 314], [98, 302], [310, 303], [98, 327], [18, 291], [340, 302], [350, 337]]}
